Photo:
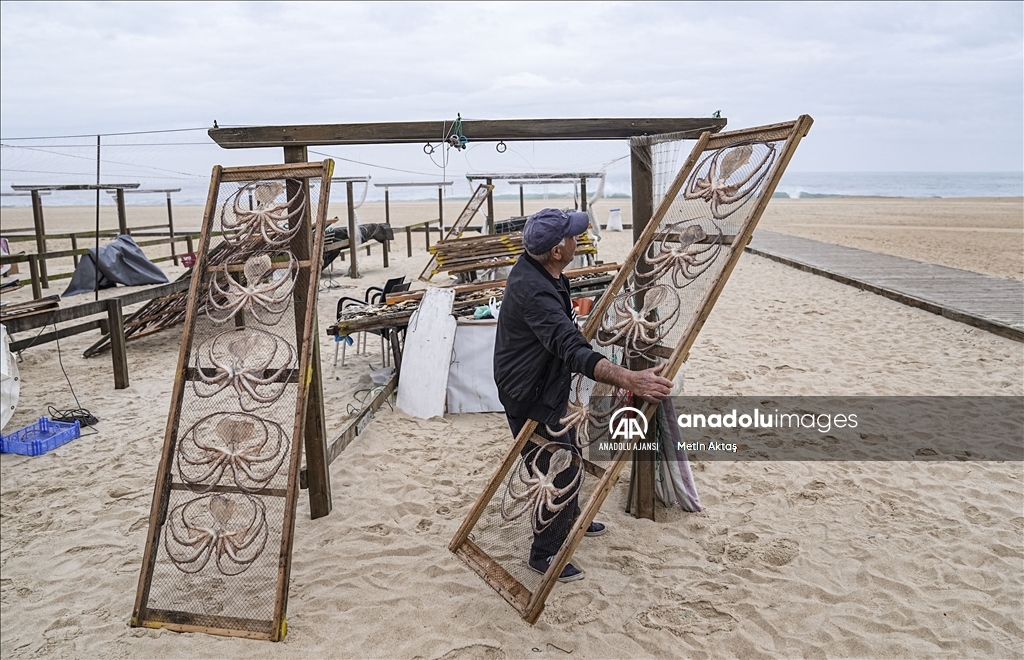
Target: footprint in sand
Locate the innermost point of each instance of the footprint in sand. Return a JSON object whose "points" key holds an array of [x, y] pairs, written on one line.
{"points": [[814, 492], [747, 548], [683, 618], [779, 552], [574, 610], [975, 515], [474, 652]]}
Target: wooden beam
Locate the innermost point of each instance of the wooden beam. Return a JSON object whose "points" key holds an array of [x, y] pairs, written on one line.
{"points": [[537, 177], [508, 130], [118, 354], [314, 425], [122, 214], [170, 228], [490, 206], [37, 219], [59, 334], [74, 186], [33, 269], [90, 308], [353, 269], [643, 208], [440, 207]]}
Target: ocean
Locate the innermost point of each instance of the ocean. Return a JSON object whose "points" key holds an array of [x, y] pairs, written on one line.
{"points": [[902, 184], [793, 184]]}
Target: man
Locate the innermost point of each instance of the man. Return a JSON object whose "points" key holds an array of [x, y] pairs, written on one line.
{"points": [[538, 347]]}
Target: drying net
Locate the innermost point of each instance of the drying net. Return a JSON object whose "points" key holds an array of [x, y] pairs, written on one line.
{"points": [[554, 475], [235, 437], [652, 311], [667, 289]]}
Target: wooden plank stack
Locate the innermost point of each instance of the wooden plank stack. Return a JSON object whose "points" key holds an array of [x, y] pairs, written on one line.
{"points": [[474, 253]]}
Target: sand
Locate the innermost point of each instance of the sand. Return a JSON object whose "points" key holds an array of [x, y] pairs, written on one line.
{"points": [[788, 560]]}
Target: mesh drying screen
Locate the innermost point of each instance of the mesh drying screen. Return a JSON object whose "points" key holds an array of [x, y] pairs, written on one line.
{"points": [[668, 287], [533, 510], [220, 552], [652, 311]]}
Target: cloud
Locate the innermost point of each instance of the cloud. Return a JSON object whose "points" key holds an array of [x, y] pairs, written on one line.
{"points": [[924, 86]]}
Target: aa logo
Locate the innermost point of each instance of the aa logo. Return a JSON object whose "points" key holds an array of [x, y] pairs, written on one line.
{"points": [[623, 427]]}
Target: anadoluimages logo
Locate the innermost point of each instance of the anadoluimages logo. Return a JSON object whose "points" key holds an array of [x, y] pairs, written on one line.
{"points": [[624, 427]]}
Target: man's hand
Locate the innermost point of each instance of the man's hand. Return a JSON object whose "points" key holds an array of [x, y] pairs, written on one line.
{"points": [[649, 386], [646, 384]]}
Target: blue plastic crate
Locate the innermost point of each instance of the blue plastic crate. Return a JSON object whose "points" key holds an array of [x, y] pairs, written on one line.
{"points": [[39, 438]]}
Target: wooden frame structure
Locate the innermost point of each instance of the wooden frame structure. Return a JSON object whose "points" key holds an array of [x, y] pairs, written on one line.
{"points": [[784, 139], [482, 192], [441, 185], [37, 213], [226, 491], [540, 182], [113, 325], [353, 268], [521, 178], [170, 214], [38, 262], [294, 140]]}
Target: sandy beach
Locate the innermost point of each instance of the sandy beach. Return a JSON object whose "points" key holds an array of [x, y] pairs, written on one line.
{"points": [[842, 559]]}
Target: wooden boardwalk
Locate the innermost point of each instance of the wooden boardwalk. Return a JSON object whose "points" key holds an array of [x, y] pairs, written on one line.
{"points": [[991, 303]]}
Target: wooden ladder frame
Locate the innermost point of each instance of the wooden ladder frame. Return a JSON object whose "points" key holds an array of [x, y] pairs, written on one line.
{"points": [[306, 246], [531, 604]]}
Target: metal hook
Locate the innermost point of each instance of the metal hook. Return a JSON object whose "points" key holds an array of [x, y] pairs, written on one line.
{"points": [[501, 147], [428, 149]]}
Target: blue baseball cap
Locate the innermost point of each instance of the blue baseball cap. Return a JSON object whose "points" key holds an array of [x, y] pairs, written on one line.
{"points": [[546, 228]]}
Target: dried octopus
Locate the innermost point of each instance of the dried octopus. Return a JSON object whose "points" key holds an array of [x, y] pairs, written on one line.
{"points": [[238, 365], [588, 405], [531, 489], [205, 528], [714, 186], [683, 251], [252, 449], [638, 318], [266, 300], [275, 222]]}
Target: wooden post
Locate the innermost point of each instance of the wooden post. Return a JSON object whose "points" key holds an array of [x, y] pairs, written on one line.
{"points": [[118, 354], [74, 246], [490, 207], [188, 243], [522, 206], [122, 216], [387, 222], [170, 228], [314, 427], [426, 233], [33, 269], [353, 270], [643, 208], [583, 195], [440, 210], [37, 219], [408, 239]]}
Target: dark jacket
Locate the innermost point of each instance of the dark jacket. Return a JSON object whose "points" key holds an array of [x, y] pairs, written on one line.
{"points": [[538, 345]]}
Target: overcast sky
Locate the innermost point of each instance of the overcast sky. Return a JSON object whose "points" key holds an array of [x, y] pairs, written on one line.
{"points": [[891, 87]]}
